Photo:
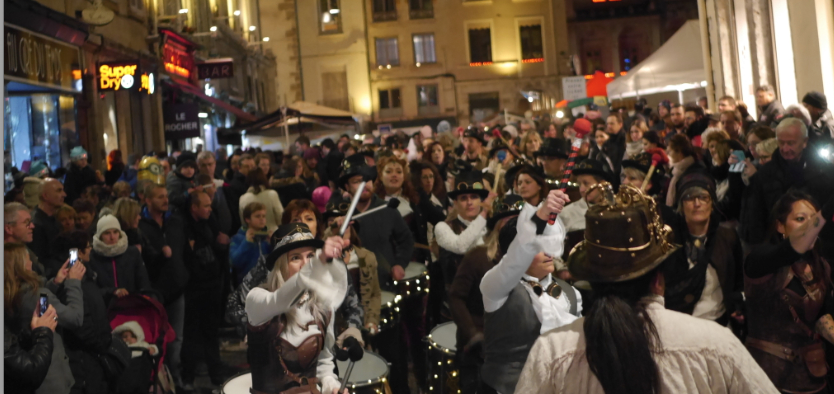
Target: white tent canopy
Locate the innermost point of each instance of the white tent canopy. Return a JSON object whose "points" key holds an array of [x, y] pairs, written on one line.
{"points": [[677, 65]]}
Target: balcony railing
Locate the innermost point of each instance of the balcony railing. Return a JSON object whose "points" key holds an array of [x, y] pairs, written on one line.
{"points": [[421, 14], [385, 16]]}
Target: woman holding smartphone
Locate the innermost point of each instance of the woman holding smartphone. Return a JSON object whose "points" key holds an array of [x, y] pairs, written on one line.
{"points": [[22, 293]]}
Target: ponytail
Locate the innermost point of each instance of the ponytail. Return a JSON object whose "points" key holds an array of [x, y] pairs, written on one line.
{"points": [[620, 337]]}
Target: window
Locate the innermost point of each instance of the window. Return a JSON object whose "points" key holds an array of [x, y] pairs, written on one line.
{"points": [[335, 84], [385, 10], [531, 44], [389, 99], [424, 49], [420, 9], [480, 46], [386, 52], [427, 100], [330, 20], [483, 105]]}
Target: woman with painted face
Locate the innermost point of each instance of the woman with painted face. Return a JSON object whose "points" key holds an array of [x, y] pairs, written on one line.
{"points": [[789, 297], [119, 267], [521, 297], [294, 309]]}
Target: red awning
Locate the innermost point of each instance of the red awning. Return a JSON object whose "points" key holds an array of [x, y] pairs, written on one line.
{"points": [[193, 90]]}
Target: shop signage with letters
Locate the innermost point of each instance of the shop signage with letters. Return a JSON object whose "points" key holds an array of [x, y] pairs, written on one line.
{"points": [[177, 59], [124, 76], [40, 60], [216, 69], [181, 121]]}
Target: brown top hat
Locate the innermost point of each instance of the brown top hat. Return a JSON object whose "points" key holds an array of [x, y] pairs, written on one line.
{"points": [[624, 239]]}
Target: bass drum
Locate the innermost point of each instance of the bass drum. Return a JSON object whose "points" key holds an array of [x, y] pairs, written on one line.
{"points": [[389, 312], [443, 372], [369, 375], [238, 384], [415, 283]]}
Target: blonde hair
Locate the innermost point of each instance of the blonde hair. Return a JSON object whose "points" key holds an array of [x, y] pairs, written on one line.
{"points": [[767, 147], [640, 124], [65, 210], [714, 134], [15, 276], [125, 210], [276, 278], [530, 136]]}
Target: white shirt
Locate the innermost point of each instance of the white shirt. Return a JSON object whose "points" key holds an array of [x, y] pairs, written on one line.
{"points": [[405, 206], [499, 281], [552, 312], [461, 243], [711, 304], [573, 216], [697, 356]]}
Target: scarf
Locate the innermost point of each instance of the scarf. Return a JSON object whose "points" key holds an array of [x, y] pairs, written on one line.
{"points": [[633, 148], [111, 250], [688, 275], [677, 171]]}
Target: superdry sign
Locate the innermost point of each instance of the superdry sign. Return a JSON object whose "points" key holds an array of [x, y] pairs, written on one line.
{"points": [[124, 76]]}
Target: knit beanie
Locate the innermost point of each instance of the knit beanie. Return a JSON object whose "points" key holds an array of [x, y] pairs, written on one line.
{"points": [[187, 159], [78, 153], [816, 100], [105, 223], [697, 178]]}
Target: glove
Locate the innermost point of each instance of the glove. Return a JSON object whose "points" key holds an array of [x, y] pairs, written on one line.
{"points": [[350, 332]]}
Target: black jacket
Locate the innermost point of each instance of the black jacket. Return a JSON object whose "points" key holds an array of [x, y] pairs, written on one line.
{"points": [[85, 343], [201, 261], [425, 212], [168, 276], [810, 174], [26, 358], [45, 232], [615, 148], [77, 180], [821, 132], [130, 272], [771, 114], [237, 187], [387, 235]]}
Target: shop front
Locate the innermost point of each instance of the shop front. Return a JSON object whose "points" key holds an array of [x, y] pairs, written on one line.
{"points": [[42, 81]]}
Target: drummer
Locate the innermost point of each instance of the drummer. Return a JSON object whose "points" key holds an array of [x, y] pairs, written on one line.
{"points": [[521, 298], [361, 264], [465, 299], [291, 316], [588, 173], [467, 228], [552, 156]]}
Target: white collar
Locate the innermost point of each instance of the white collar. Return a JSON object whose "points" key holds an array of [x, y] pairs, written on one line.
{"points": [[544, 282], [466, 222]]}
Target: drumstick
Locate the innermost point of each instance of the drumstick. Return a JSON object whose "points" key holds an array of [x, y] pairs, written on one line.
{"points": [[658, 157], [574, 152], [392, 203], [349, 214], [497, 134]]}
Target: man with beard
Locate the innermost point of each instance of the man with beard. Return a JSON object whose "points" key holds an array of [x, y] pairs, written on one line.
{"points": [[677, 125]]}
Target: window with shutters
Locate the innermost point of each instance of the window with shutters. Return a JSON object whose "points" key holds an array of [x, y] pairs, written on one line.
{"points": [[480, 46], [420, 9], [424, 49], [387, 54], [427, 100], [532, 50], [390, 103]]}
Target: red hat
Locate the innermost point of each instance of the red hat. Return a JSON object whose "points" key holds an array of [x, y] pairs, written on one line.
{"points": [[582, 127]]}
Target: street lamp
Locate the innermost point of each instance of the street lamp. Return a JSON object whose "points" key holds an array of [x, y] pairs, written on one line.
{"points": [[251, 28]]}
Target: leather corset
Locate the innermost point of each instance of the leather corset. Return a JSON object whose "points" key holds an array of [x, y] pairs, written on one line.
{"points": [[778, 316], [278, 366]]}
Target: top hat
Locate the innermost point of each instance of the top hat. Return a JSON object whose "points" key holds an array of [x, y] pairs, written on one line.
{"points": [[593, 167], [553, 147], [355, 165], [474, 133], [467, 182], [509, 205], [624, 238], [642, 162], [291, 236], [498, 145]]}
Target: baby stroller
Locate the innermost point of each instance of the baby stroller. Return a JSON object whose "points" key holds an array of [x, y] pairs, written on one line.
{"points": [[145, 371]]}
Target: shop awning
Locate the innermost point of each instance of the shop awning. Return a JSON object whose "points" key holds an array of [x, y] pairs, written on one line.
{"points": [[195, 91], [676, 66], [307, 112]]}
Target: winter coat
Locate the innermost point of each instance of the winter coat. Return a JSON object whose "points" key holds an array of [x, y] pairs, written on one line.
{"points": [[118, 266], [59, 379], [387, 235], [26, 359], [243, 254], [267, 197], [77, 180], [168, 275], [821, 132], [177, 186], [771, 114], [201, 261], [84, 344], [45, 232], [220, 210], [113, 175], [129, 176]]}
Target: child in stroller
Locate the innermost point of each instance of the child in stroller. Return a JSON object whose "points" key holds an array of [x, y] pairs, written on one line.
{"points": [[134, 336]]}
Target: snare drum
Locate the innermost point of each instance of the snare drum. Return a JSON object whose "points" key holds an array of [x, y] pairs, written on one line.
{"points": [[369, 375], [389, 312], [416, 281], [238, 384], [443, 372]]}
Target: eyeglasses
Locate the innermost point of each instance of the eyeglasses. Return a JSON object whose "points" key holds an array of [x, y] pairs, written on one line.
{"points": [[504, 207], [343, 207], [704, 198], [465, 186]]}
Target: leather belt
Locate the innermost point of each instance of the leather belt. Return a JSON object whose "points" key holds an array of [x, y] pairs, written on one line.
{"points": [[774, 349]]}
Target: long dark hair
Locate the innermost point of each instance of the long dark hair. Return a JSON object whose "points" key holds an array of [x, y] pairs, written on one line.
{"points": [[620, 337], [416, 168], [256, 178]]}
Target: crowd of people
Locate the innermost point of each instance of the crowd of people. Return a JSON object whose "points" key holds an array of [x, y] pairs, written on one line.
{"points": [[689, 253]]}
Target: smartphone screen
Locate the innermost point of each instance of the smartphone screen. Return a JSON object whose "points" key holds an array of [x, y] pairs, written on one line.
{"points": [[43, 304], [73, 257], [739, 154]]}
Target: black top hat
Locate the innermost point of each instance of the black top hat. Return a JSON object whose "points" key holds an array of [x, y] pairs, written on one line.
{"points": [[355, 165], [291, 236], [473, 132], [509, 205], [337, 207], [642, 162], [593, 167], [497, 146], [553, 147], [535, 172], [467, 182]]}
